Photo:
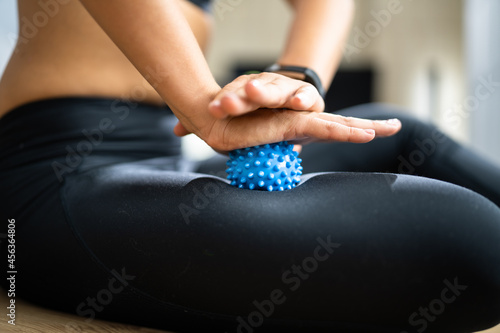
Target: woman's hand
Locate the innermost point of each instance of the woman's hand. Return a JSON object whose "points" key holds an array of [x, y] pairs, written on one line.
{"points": [[248, 93], [245, 114], [265, 90]]}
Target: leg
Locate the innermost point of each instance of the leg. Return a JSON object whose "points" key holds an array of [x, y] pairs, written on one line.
{"points": [[344, 252], [418, 149]]}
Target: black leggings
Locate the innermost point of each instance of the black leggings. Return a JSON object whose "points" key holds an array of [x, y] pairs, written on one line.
{"points": [[112, 223]]}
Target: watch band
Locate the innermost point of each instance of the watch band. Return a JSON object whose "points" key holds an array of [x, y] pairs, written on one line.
{"points": [[310, 76]]}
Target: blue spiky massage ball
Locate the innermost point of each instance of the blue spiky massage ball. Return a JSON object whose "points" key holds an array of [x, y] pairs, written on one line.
{"points": [[271, 167]]}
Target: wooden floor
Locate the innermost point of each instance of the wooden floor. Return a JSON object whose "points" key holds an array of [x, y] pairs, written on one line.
{"points": [[33, 319], [493, 330]]}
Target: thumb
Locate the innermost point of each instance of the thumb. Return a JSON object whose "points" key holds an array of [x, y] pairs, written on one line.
{"points": [[180, 130]]}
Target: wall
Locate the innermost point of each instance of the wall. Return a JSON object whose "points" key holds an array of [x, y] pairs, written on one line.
{"points": [[483, 68], [8, 30], [418, 52]]}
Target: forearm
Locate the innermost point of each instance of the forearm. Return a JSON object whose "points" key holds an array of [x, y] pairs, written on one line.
{"points": [[317, 35], [157, 39]]}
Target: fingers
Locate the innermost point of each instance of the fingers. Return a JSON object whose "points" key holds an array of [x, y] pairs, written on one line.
{"points": [[266, 126], [251, 92], [329, 127], [275, 94], [382, 128], [231, 101], [269, 94], [307, 98], [327, 130]]}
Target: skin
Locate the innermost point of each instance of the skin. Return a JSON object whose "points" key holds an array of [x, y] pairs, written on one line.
{"points": [[158, 45]]}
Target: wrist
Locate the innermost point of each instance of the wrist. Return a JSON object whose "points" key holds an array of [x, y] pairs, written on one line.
{"points": [[192, 108], [301, 73]]}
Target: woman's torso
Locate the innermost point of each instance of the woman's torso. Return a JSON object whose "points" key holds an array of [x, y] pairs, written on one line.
{"points": [[67, 54]]}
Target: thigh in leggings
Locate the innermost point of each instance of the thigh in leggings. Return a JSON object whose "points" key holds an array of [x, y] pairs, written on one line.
{"points": [[350, 252], [418, 149]]}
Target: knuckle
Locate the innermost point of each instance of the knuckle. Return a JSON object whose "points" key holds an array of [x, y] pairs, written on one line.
{"points": [[351, 134], [308, 88], [269, 75], [240, 80], [333, 130], [294, 126], [243, 77]]}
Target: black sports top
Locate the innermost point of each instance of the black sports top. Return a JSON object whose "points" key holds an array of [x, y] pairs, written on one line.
{"points": [[203, 4]]}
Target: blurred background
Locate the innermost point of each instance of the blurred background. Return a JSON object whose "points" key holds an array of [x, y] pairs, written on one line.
{"points": [[437, 59]]}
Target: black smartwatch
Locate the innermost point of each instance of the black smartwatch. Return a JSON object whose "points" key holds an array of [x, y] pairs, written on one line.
{"points": [[309, 75]]}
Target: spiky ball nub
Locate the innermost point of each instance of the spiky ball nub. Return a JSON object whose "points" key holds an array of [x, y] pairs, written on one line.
{"points": [[271, 167]]}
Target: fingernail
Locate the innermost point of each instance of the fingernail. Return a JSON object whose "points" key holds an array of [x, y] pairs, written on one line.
{"points": [[370, 131], [393, 121]]}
